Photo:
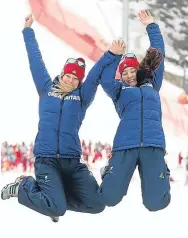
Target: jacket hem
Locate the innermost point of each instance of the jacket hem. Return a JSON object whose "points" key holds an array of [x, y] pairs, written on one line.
{"points": [[61, 156], [137, 146]]}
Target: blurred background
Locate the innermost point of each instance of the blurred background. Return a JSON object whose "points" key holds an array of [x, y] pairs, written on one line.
{"points": [[72, 28]]}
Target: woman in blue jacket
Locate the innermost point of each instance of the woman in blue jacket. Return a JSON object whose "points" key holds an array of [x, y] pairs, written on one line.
{"points": [[62, 182], [139, 139]]}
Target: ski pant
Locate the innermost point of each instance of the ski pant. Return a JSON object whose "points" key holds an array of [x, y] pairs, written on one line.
{"points": [[60, 185], [154, 175]]}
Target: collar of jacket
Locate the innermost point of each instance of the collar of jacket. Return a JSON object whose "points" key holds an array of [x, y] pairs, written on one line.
{"points": [[56, 81], [145, 82]]}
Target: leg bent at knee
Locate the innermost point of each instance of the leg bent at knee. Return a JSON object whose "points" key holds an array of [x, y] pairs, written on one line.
{"points": [[110, 199], [154, 204], [31, 196], [56, 211], [96, 209]]}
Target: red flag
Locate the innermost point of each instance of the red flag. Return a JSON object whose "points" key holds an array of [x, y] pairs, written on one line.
{"points": [[69, 27]]}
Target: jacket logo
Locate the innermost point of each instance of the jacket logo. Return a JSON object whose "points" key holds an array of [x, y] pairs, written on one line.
{"points": [[124, 87], [53, 94], [147, 84], [71, 97], [144, 85], [77, 98]]}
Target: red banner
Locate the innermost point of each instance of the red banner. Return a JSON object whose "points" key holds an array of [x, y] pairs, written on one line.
{"points": [[71, 28]]}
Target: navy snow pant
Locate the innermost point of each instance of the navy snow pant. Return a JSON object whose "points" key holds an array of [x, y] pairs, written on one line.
{"points": [[154, 175], [60, 185]]}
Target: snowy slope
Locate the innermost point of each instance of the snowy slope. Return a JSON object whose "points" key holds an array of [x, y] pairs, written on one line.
{"points": [[128, 219]]}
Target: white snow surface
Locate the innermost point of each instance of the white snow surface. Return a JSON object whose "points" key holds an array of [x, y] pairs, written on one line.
{"points": [[128, 219]]}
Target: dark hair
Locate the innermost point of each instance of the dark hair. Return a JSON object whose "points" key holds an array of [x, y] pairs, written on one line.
{"points": [[151, 61], [148, 65]]}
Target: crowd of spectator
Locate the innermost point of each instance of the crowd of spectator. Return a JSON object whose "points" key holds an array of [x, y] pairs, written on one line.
{"points": [[20, 156]]}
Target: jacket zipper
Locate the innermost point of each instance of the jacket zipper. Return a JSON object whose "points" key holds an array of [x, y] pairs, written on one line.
{"points": [[58, 130], [141, 132]]}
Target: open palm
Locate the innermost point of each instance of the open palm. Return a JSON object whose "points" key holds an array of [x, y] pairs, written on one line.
{"points": [[145, 17]]}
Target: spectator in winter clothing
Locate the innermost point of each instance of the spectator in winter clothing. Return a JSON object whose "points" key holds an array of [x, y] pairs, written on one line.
{"points": [[62, 182], [139, 139]]}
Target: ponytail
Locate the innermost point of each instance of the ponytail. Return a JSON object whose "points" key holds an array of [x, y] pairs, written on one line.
{"points": [[148, 65], [151, 61]]}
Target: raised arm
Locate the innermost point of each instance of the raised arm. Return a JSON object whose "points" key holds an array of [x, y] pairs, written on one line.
{"points": [[108, 82], [89, 87], [39, 72], [156, 41]]}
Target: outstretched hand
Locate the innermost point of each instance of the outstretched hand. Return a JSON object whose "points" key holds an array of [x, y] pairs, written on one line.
{"points": [[145, 17], [29, 21], [118, 47]]}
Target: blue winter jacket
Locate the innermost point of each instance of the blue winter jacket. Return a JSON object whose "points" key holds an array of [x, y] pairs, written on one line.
{"points": [[139, 108], [60, 118]]}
